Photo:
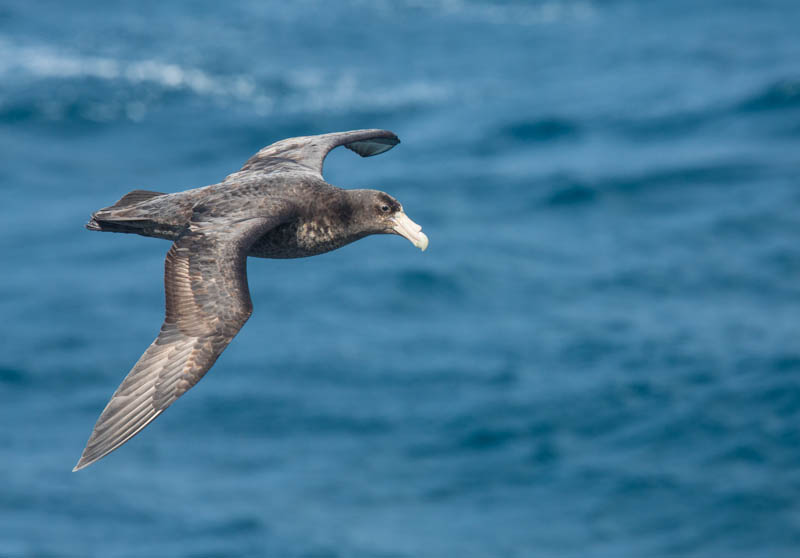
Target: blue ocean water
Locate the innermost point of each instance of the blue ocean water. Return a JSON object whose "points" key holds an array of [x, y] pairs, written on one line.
{"points": [[599, 354]]}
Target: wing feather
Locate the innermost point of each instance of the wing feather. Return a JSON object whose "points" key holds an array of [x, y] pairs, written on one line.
{"points": [[307, 153], [207, 303]]}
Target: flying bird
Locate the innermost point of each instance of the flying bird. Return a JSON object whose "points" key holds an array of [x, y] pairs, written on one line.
{"points": [[276, 206]]}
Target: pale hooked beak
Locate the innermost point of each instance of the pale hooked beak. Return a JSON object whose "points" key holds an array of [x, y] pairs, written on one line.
{"points": [[409, 229]]}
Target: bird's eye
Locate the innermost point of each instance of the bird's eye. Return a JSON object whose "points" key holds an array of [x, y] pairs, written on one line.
{"points": [[385, 208]]}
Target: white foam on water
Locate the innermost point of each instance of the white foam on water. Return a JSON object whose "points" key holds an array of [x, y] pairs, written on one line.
{"points": [[46, 62], [315, 91], [310, 89], [520, 13]]}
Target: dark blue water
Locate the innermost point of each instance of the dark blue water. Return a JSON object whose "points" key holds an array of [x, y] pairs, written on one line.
{"points": [[599, 354]]}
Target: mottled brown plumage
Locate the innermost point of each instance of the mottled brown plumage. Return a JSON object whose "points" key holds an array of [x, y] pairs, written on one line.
{"points": [[277, 206]]}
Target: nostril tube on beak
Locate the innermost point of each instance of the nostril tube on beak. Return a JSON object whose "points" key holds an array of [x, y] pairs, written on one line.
{"points": [[409, 229]]}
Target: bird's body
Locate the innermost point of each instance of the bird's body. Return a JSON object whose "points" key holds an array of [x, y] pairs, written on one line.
{"points": [[277, 206], [316, 213]]}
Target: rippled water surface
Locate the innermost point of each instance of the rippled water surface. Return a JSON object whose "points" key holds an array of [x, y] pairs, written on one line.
{"points": [[599, 354]]}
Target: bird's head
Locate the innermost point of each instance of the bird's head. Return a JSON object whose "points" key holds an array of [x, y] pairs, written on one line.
{"points": [[375, 212]]}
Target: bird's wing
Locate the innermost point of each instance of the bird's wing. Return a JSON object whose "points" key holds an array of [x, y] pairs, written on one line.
{"points": [[307, 153], [207, 300]]}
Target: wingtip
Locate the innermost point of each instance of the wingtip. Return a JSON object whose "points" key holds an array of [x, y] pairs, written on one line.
{"points": [[372, 146], [81, 464]]}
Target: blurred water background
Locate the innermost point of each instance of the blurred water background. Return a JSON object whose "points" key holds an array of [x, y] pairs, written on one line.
{"points": [[599, 354]]}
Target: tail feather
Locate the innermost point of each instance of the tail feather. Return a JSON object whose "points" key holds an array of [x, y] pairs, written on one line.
{"points": [[133, 227], [135, 196], [116, 218]]}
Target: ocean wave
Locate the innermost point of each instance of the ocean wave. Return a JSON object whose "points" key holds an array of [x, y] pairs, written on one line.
{"points": [[429, 283], [315, 91], [568, 192], [102, 89], [719, 172], [668, 126], [783, 94], [13, 376], [542, 130], [510, 13], [571, 190], [779, 95], [286, 416], [44, 62]]}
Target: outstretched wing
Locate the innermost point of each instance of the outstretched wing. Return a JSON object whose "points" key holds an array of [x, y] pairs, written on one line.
{"points": [[307, 153], [207, 302]]}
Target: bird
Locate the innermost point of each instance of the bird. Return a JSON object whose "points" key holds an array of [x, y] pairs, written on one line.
{"points": [[277, 205]]}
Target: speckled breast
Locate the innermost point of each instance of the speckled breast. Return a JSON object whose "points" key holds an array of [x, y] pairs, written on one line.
{"points": [[299, 240]]}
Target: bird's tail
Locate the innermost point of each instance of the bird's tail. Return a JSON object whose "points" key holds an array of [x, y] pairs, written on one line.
{"points": [[117, 218]]}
